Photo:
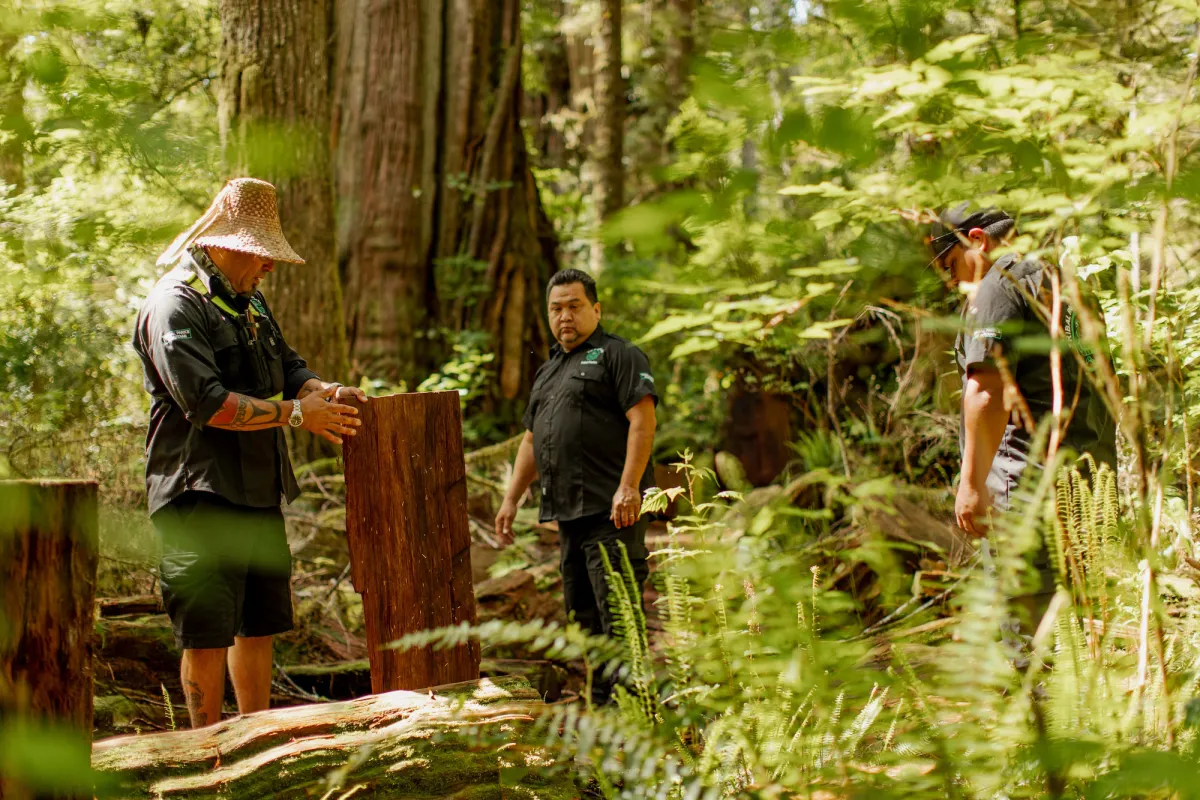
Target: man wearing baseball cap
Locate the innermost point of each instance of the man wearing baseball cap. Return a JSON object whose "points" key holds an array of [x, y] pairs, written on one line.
{"points": [[1004, 331], [223, 384]]}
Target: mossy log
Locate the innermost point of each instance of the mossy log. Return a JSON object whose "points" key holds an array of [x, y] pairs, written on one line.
{"points": [[108, 607], [347, 679], [454, 741]]}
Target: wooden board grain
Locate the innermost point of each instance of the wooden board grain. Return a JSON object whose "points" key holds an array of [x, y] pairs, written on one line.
{"points": [[410, 545]]}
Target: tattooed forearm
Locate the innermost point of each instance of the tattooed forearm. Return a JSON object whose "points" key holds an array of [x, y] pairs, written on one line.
{"points": [[242, 413]]}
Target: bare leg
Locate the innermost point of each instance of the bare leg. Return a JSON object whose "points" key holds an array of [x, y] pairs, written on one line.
{"points": [[250, 661], [203, 674]]}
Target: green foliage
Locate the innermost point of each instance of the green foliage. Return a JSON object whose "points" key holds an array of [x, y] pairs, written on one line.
{"points": [[763, 684], [47, 758], [169, 706], [772, 245], [114, 141]]}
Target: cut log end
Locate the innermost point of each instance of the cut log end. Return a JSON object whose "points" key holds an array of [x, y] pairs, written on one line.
{"points": [[410, 541]]}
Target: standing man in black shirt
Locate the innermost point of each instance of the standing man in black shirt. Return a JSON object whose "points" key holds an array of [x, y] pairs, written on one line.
{"points": [[1003, 325], [223, 383], [589, 432]]}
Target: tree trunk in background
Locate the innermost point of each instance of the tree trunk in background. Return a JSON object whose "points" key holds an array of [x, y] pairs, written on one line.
{"points": [[549, 111], [274, 117], [680, 44], [14, 127], [580, 67], [439, 221], [608, 193], [385, 99], [49, 549]]}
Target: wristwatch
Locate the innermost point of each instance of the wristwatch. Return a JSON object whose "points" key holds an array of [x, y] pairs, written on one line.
{"points": [[297, 417]]}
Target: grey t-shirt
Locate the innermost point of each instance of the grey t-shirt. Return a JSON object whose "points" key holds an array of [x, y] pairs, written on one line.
{"points": [[1001, 320]]}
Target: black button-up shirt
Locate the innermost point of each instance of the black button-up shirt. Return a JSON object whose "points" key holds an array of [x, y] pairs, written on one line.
{"points": [[193, 355], [577, 415]]}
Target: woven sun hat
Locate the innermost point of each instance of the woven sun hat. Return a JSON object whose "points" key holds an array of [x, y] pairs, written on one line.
{"points": [[243, 217]]}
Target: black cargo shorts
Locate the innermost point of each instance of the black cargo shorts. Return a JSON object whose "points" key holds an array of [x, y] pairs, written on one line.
{"points": [[225, 570]]}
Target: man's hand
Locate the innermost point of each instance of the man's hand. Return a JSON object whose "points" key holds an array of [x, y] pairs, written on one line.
{"points": [[329, 419], [626, 506], [504, 521], [524, 471], [346, 392], [343, 392], [972, 508]]}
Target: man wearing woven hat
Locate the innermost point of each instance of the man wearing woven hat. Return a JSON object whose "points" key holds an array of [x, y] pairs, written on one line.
{"points": [[223, 384], [1005, 331]]}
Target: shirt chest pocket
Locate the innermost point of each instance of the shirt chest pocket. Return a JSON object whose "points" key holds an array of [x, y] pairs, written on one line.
{"points": [[227, 352], [589, 386]]}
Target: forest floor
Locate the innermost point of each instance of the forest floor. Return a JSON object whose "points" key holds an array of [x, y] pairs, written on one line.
{"points": [[136, 662]]}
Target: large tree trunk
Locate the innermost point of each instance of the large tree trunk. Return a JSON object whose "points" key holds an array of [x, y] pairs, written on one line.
{"points": [[48, 556], [446, 743], [440, 225], [680, 45], [608, 145], [384, 127], [548, 111], [274, 117]]}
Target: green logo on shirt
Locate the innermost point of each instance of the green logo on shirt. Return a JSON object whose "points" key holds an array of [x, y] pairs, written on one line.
{"points": [[182, 333], [646, 376], [258, 306], [593, 356]]}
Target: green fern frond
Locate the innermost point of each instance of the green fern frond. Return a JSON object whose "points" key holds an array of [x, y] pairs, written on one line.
{"points": [[629, 628], [553, 641], [169, 706]]}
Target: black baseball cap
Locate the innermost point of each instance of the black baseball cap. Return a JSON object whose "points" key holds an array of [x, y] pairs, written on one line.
{"points": [[957, 222]]}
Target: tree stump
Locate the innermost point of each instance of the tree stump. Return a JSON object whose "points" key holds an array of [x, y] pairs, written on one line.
{"points": [[472, 739], [48, 554], [757, 431], [410, 546]]}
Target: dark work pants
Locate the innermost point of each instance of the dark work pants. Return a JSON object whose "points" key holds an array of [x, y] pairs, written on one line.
{"points": [[585, 581]]}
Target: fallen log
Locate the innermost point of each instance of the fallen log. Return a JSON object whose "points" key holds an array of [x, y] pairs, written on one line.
{"points": [[109, 607], [907, 521], [516, 596], [347, 679], [441, 743]]}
